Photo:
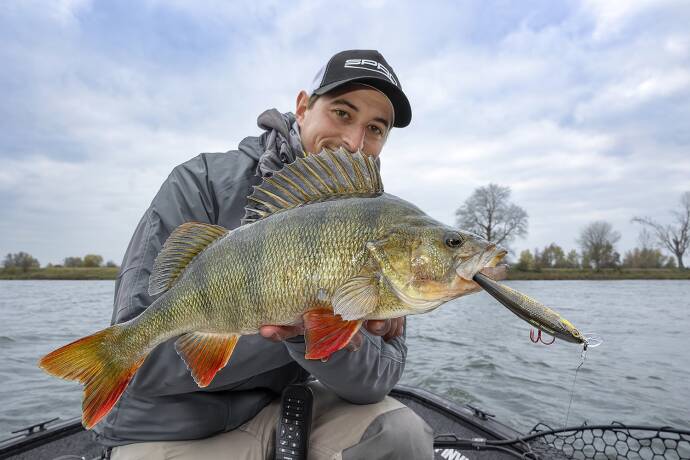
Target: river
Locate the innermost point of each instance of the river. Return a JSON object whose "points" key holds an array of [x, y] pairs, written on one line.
{"points": [[471, 350]]}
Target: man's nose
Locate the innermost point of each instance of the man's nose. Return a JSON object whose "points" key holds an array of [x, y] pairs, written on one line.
{"points": [[354, 139]]}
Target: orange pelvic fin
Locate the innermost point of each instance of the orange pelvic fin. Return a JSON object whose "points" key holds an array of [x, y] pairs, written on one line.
{"points": [[205, 353], [91, 361], [326, 333]]}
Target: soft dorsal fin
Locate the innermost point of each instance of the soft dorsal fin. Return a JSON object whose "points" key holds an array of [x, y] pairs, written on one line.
{"points": [[327, 175], [185, 242]]}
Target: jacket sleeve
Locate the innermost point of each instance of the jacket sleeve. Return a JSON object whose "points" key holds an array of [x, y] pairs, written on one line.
{"points": [[183, 197], [186, 195], [364, 376]]}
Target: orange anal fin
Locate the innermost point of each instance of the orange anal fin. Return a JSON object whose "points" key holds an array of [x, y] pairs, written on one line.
{"points": [[205, 353], [325, 333], [92, 362]]}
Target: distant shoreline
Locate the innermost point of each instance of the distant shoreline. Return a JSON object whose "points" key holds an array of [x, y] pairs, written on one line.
{"points": [[605, 274], [61, 273], [110, 273]]}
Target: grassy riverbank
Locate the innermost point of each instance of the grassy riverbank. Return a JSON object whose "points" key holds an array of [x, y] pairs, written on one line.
{"points": [[61, 273], [605, 274], [108, 273]]}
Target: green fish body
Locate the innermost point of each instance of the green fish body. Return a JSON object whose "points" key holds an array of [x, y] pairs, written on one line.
{"points": [[271, 271]]}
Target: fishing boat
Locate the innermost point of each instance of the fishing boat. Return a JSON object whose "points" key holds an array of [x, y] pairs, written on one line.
{"points": [[462, 432]]}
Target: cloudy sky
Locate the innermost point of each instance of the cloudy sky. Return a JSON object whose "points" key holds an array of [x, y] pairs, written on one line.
{"points": [[582, 108]]}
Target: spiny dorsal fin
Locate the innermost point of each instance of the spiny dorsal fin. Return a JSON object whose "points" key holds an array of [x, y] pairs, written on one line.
{"points": [[327, 175], [185, 242]]}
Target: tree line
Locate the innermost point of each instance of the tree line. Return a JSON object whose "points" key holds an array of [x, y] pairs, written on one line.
{"points": [[594, 257], [24, 262], [489, 213]]}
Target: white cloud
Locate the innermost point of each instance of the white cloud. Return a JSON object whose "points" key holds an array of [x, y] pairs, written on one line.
{"points": [[677, 46], [583, 116], [633, 91], [612, 16], [65, 12]]}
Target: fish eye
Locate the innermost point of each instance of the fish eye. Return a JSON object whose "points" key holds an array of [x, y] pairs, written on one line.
{"points": [[453, 240]]}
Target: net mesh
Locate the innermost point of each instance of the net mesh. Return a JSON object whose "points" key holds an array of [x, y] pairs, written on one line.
{"points": [[615, 441]]}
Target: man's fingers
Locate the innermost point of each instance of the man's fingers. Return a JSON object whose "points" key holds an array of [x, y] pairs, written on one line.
{"points": [[378, 327], [401, 327], [355, 342], [280, 333], [396, 330], [388, 329]]}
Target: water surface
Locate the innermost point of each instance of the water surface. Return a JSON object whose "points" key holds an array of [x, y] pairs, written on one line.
{"points": [[471, 350]]}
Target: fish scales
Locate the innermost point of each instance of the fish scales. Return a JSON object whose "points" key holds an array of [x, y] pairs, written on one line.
{"points": [[324, 238]]}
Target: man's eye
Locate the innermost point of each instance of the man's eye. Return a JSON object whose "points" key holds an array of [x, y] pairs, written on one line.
{"points": [[376, 130], [341, 113]]}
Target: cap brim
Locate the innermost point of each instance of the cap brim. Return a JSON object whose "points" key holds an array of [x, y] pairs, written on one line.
{"points": [[401, 106]]}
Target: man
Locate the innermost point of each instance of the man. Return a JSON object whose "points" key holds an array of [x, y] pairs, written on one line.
{"points": [[355, 101]]}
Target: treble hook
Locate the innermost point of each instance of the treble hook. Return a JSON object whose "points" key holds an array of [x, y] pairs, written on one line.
{"points": [[537, 338]]}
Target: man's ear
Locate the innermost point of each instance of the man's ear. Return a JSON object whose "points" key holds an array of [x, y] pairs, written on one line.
{"points": [[301, 106]]}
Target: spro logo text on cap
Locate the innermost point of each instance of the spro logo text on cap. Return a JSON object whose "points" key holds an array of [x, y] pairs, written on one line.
{"points": [[373, 66]]}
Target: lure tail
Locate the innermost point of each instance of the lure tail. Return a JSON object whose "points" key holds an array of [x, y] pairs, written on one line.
{"points": [[93, 361]]}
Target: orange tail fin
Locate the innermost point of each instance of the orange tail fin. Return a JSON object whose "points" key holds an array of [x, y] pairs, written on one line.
{"points": [[91, 361]]}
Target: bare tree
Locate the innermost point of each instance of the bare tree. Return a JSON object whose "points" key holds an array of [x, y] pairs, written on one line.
{"points": [[675, 238], [488, 213], [92, 260], [597, 241], [21, 260], [526, 261], [552, 257], [73, 262], [572, 260], [645, 239]]}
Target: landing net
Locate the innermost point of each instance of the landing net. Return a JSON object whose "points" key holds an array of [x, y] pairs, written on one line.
{"points": [[615, 441], [596, 442]]}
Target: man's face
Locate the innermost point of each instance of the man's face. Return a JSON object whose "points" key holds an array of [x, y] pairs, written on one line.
{"points": [[356, 117]]}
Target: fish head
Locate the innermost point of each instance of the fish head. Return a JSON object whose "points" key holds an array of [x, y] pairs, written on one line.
{"points": [[428, 263]]}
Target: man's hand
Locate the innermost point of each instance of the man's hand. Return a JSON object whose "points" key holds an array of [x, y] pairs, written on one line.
{"points": [[388, 329], [280, 333]]}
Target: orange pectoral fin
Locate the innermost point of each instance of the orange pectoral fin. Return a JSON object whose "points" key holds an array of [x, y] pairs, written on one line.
{"points": [[205, 354], [326, 333]]}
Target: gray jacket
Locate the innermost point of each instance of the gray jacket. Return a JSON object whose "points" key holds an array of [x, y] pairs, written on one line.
{"points": [[163, 402]]}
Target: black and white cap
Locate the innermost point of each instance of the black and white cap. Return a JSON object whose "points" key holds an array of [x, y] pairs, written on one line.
{"points": [[367, 67]]}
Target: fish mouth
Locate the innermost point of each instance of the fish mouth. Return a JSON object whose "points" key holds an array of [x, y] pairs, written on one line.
{"points": [[485, 261]]}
